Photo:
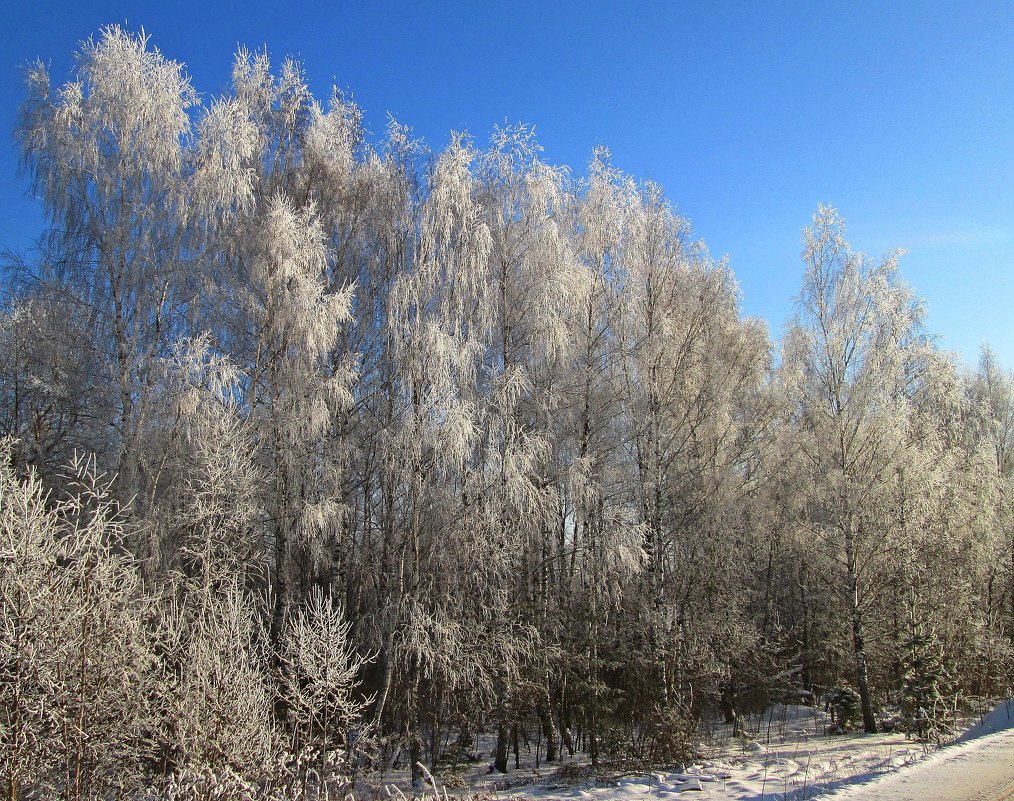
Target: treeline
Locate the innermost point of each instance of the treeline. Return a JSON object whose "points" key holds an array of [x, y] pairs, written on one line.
{"points": [[323, 454]]}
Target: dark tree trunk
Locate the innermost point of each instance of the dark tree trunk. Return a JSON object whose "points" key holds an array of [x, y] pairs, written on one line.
{"points": [[415, 728], [565, 732], [858, 641], [862, 679], [549, 731], [503, 734], [804, 647], [729, 703]]}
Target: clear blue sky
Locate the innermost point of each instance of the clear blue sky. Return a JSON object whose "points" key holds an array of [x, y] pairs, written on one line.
{"points": [[901, 114]]}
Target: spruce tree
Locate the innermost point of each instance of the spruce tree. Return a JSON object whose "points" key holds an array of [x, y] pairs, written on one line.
{"points": [[925, 680]]}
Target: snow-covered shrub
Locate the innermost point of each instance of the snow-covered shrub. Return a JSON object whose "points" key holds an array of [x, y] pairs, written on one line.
{"points": [[217, 704], [666, 737], [842, 703], [205, 784], [320, 682], [990, 671], [75, 656]]}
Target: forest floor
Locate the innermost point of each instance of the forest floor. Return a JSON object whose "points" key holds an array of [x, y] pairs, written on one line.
{"points": [[789, 758]]}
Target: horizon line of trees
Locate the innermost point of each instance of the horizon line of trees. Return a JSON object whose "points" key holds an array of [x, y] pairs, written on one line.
{"points": [[320, 456]]}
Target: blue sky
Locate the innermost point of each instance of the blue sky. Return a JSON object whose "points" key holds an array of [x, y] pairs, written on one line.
{"points": [[901, 114]]}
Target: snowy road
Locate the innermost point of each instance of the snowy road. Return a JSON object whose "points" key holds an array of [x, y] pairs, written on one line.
{"points": [[978, 770]]}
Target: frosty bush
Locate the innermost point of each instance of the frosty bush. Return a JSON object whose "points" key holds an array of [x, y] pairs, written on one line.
{"points": [[668, 737], [320, 688], [75, 655], [217, 700]]}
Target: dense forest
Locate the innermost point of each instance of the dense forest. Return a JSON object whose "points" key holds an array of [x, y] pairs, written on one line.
{"points": [[323, 453]]}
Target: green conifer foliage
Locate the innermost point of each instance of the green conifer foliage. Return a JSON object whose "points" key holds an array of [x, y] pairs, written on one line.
{"points": [[924, 692]]}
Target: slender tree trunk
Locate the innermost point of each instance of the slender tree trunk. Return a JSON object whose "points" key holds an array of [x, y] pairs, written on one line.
{"points": [[728, 703], [565, 732], [858, 641], [804, 646], [387, 671], [283, 519], [415, 727], [869, 720], [549, 731], [503, 733], [1012, 581], [593, 721]]}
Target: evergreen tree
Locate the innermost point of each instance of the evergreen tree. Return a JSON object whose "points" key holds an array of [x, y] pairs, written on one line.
{"points": [[924, 702]]}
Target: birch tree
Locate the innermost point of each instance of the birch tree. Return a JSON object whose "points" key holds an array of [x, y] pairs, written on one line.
{"points": [[689, 364], [205, 510], [264, 258], [857, 328], [53, 392], [433, 349], [105, 153], [993, 390], [599, 540], [533, 280]]}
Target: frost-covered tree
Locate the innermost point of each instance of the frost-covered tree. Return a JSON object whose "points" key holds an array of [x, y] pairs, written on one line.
{"points": [[531, 277], [851, 346], [993, 395], [53, 391], [369, 566], [594, 549], [689, 365], [320, 678], [204, 518], [924, 705], [105, 154], [216, 705], [263, 256]]}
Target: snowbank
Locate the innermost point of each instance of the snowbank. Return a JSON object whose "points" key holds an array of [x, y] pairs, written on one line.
{"points": [[1002, 717]]}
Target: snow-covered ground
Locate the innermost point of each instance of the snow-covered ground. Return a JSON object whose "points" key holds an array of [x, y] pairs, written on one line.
{"points": [[979, 766], [790, 759]]}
